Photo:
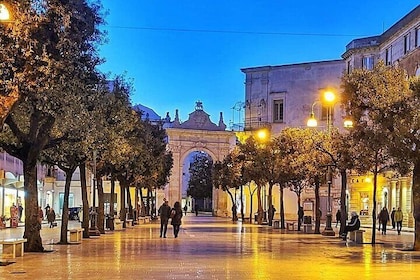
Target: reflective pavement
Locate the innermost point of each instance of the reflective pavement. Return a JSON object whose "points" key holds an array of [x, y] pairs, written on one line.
{"points": [[215, 248]]}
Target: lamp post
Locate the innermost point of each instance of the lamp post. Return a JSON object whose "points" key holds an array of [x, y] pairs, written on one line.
{"points": [[328, 99]]}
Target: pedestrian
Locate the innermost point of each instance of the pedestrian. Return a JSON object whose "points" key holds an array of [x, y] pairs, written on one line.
{"points": [[301, 213], [337, 217], [353, 225], [185, 209], [196, 209], [383, 219], [393, 217], [176, 216], [47, 209], [398, 219], [20, 209], [271, 212], [40, 217], [51, 217], [164, 214]]}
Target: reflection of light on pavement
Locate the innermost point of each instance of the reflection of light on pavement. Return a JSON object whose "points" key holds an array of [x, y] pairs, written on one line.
{"points": [[367, 259]]}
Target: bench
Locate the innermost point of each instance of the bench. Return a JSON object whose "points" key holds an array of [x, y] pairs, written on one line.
{"points": [[118, 224], [276, 223], [356, 236], [307, 228], [76, 235], [128, 223], [13, 248], [290, 226], [144, 220]]}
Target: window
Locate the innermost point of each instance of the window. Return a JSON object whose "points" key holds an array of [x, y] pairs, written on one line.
{"points": [[407, 43], [278, 110], [417, 37], [367, 62], [388, 56]]}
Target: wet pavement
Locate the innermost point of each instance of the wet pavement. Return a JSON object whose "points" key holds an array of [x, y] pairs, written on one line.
{"points": [[215, 248]]}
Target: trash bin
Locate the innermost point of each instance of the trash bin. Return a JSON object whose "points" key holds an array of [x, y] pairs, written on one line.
{"points": [[276, 224], [307, 220]]}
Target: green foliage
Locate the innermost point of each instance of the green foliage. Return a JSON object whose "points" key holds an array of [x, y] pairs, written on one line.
{"points": [[200, 184]]}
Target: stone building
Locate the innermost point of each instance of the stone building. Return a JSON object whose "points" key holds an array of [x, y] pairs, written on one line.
{"points": [[283, 96]]}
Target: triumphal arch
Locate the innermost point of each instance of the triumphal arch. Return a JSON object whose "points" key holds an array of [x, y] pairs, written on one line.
{"points": [[197, 134]]}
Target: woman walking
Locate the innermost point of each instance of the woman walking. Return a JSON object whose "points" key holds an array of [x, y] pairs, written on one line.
{"points": [[176, 216]]}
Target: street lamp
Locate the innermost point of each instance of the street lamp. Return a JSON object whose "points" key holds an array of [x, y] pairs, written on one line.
{"points": [[5, 15], [328, 100]]}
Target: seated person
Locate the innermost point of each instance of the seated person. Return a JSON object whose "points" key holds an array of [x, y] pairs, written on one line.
{"points": [[354, 224]]}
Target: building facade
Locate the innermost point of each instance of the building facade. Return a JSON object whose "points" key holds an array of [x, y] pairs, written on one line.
{"points": [[283, 96]]}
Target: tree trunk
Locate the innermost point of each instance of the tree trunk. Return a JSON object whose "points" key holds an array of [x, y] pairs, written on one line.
{"points": [[343, 199], [85, 202], [298, 202], [375, 182], [65, 213], [242, 204], [111, 205], [416, 202], [234, 216], [122, 199], [260, 207], [101, 204], [282, 220], [317, 207], [32, 223]]}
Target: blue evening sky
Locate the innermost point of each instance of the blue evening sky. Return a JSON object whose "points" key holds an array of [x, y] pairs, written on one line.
{"points": [[178, 52]]}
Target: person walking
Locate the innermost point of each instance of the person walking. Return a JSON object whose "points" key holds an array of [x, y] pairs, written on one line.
{"points": [[47, 209], [398, 219], [301, 213], [383, 219], [164, 214], [176, 216], [393, 217], [271, 212], [196, 209], [337, 217], [51, 217]]}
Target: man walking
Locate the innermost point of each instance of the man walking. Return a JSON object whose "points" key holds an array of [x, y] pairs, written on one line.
{"points": [[164, 213], [399, 219]]}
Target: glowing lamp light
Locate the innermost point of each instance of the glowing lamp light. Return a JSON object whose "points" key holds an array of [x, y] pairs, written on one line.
{"points": [[329, 97], [4, 13], [348, 123], [312, 122]]}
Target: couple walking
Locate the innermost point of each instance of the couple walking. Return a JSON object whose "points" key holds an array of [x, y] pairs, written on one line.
{"points": [[165, 212]]}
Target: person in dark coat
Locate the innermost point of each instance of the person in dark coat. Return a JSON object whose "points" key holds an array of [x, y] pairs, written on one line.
{"points": [[164, 213], [301, 214], [51, 217], [176, 216], [271, 212], [337, 217], [383, 219], [393, 218], [354, 224]]}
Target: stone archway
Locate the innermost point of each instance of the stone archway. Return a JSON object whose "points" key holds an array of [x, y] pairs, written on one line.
{"points": [[198, 133]]}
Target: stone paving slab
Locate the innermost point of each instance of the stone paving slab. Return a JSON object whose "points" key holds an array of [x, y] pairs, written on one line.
{"points": [[215, 248]]}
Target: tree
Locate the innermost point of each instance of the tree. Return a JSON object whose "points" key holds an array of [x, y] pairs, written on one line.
{"points": [[369, 96], [53, 54], [228, 174], [200, 183]]}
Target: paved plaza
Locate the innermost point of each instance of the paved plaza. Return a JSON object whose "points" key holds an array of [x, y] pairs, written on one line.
{"points": [[215, 248]]}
